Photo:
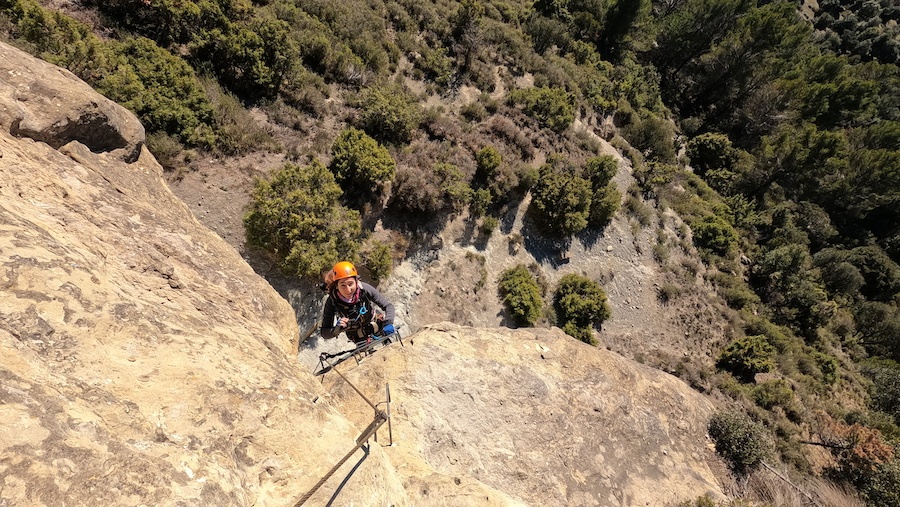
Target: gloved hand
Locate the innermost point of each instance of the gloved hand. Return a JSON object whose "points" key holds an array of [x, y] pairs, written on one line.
{"points": [[388, 329]]}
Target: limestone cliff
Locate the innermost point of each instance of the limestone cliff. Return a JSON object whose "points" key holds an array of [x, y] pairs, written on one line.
{"points": [[145, 363]]}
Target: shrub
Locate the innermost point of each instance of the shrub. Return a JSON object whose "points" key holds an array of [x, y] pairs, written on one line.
{"points": [[455, 190], [740, 441], [165, 148], [487, 161], [600, 170], [481, 200], [654, 137], [521, 295], [553, 108], [379, 261], [714, 234], [581, 301], [237, 132], [710, 151], [488, 226], [604, 205], [885, 390], [560, 202], [160, 88], [296, 216], [580, 333], [389, 114], [747, 356], [360, 165], [774, 393]]}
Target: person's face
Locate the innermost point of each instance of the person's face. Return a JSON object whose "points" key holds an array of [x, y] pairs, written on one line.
{"points": [[347, 286]]}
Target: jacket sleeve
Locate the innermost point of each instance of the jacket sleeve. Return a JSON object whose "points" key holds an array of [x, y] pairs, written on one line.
{"points": [[382, 302], [328, 329]]}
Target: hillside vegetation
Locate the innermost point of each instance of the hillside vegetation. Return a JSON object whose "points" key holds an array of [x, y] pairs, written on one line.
{"points": [[771, 128]]}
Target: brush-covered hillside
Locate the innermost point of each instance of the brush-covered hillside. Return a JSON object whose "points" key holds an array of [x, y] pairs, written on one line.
{"points": [[768, 133]]}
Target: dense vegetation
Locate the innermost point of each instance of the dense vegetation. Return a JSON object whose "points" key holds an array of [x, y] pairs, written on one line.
{"points": [[790, 125]]}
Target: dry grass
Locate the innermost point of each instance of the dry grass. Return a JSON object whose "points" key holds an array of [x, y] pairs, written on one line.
{"points": [[778, 489]]}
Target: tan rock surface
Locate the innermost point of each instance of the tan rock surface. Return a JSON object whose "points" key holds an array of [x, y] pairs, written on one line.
{"points": [[536, 415]]}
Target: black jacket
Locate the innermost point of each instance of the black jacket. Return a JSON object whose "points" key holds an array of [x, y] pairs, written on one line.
{"points": [[360, 313]]}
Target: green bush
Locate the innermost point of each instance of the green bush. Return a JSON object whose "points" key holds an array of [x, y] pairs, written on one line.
{"points": [[773, 393], [654, 137], [560, 203], [581, 301], [521, 295], [885, 390], [583, 334], [600, 170], [710, 151], [714, 234], [740, 441], [360, 165], [747, 356], [488, 226], [882, 487], [378, 260], [553, 108], [236, 131], [296, 216], [455, 190], [389, 114], [604, 205], [161, 89], [487, 161]]}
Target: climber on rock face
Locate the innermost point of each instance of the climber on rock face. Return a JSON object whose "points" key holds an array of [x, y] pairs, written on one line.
{"points": [[351, 306]]}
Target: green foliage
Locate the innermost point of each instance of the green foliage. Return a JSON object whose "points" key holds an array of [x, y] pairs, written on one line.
{"points": [[581, 333], [882, 487], [740, 441], [879, 326], [489, 225], [481, 200], [389, 114], [237, 133], [828, 365], [296, 216], [560, 203], [521, 295], [600, 170], [715, 234], [711, 151], [455, 191], [864, 31], [747, 356], [885, 390], [487, 161], [773, 393], [553, 108], [360, 165], [379, 261], [604, 204], [653, 136], [580, 301]]}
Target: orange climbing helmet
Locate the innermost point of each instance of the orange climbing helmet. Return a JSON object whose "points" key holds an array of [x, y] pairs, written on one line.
{"points": [[340, 270]]}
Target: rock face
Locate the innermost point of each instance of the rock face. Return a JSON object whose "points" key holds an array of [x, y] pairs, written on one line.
{"points": [[49, 104], [145, 363], [509, 417]]}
